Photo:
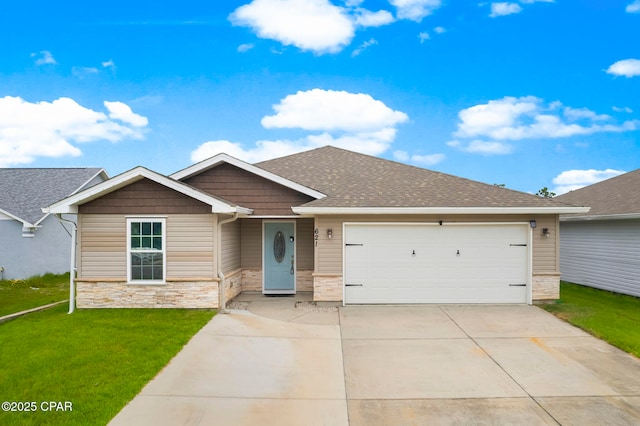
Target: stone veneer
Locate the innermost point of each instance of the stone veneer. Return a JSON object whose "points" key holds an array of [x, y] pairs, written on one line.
{"points": [[173, 294], [327, 288], [546, 286], [232, 284]]}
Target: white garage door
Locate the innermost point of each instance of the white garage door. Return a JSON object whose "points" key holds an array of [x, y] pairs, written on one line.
{"points": [[450, 263]]}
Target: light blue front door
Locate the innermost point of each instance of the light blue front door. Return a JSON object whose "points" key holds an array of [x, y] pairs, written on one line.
{"points": [[279, 258]]}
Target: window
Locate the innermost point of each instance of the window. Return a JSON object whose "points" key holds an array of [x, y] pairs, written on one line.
{"points": [[146, 250]]}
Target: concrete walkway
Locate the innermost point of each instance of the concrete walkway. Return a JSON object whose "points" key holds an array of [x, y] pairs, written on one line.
{"points": [[272, 363]]}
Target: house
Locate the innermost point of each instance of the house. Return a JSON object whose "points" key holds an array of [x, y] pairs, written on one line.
{"points": [[346, 226], [33, 242], [601, 248]]}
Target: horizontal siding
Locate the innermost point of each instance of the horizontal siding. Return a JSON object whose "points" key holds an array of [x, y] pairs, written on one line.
{"points": [[604, 255], [103, 246], [304, 244], [251, 240], [190, 245], [329, 252], [231, 254]]}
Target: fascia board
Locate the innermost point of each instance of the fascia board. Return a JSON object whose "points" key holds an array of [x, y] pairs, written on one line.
{"points": [[224, 158], [14, 217], [439, 210], [600, 217]]}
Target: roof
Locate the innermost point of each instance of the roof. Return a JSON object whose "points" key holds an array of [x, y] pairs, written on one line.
{"points": [[617, 197], [24, 191], [357, 181], [70, 204]]}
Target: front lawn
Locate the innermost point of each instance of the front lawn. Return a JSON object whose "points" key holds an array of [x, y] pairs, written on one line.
{"points": [[20, 295], [94, 361], [612, 317]]}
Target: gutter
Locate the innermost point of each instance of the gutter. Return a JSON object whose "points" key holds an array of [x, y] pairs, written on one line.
{"points": [[72, 270], [221, 297]]}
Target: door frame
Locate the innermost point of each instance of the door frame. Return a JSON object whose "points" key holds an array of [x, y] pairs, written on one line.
{"points": [[295, 256]]}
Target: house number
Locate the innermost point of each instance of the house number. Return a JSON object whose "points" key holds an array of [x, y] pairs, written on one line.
{"points": [[315, 236]]}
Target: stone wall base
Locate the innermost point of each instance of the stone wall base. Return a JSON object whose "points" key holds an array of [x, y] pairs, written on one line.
{"points": [[173, 294], [232, 284], [327, 288], [546, 287]]}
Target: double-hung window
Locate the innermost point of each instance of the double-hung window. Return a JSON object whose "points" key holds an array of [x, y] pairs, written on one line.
{"points": [[146, 250]]}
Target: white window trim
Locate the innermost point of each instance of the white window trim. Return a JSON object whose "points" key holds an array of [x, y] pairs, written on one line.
{"points": [[161, 220]]}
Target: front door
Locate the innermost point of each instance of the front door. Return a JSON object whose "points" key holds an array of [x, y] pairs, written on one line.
{"points": [[278, 248]]}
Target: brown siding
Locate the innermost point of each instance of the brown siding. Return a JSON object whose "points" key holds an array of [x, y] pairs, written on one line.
{"points": [[248, 190], [329, 252], [304, 244], [251, 240], [144, 197]]}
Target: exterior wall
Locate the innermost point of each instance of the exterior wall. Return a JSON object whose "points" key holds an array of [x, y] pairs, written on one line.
{"points": [[231, 247], [248, 190], [602, 254], [174, 294], [102, 241], [102, 264], [49, 250], [328, 253]]}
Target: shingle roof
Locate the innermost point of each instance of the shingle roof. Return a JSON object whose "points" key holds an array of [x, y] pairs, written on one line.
{"points": [[615, 196], [351, 179], [23, 192]]}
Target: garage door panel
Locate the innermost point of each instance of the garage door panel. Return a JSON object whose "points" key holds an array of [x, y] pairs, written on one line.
{"points": [[436, 264]]}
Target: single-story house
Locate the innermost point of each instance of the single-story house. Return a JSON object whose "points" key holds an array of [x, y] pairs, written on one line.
{"points": [[601, 248], [33, 242], [346, 226]]}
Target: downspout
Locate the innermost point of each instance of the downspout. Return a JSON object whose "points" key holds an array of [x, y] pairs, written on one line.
{"points": [[221, 298], [72, 270]]}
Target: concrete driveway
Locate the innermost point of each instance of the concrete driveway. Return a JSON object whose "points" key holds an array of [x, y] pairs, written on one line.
{"points": [[391, 365]]}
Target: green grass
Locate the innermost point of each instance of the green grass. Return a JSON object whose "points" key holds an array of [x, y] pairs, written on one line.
{"points": [[96, 359], [614, 318], [20, 295]]}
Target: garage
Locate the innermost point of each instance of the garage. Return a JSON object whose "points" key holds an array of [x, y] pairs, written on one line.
{"points": [[436, 263]]}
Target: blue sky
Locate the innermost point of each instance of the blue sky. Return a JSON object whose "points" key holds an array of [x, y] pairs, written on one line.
{"points": [[526, 93]]}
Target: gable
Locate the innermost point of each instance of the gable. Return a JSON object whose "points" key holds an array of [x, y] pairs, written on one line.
{"points": [[244, 188], [144, 197]]}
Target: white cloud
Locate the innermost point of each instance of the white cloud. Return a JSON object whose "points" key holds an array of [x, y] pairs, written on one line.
{"points": [[367, 18], [626, 67], [50, 129], [44, 57], [623, 109], [527, 117], [504, 8], [315, 25], [364, 46], [109, 64], [633, 7], [439, 30], [415, 10], [82, 72], [482, 147], [352, 121], [426, 160], [575, 179], [122, 112], [331, 110], [423, 36], [245, 47]]}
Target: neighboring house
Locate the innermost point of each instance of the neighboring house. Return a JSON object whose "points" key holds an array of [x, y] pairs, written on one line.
{"points": [[32, 242], [346, 226], [601, 249]]}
